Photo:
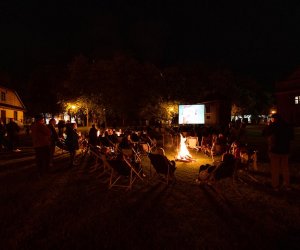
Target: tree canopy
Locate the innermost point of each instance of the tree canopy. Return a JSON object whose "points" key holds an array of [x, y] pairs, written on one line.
{"points": [[123, 89]]}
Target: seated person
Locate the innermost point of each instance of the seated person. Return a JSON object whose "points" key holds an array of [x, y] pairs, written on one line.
{"points": [[113, 137], [220, 144], [134, 137], [160, 161], [126, 144], [216, 172], [104, 141]]}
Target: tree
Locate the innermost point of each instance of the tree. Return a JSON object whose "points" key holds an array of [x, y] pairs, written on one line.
{"points": [[87, 108]]}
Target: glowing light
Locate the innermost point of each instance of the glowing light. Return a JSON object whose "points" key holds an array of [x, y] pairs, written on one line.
{"points": [[183, 153]]}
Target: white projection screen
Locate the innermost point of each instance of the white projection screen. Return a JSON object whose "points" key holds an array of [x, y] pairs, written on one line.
{"points": [[191, 114]]}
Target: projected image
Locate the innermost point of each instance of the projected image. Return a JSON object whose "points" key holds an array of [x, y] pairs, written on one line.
{"points": [[191, 114]]}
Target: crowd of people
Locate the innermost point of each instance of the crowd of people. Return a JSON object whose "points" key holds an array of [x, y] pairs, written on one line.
{"points": [[9, 136], [230, 140], [45, 138], [233, 141]]}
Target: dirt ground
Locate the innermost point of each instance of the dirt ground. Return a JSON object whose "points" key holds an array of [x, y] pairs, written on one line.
{"points": [[72, 208]]}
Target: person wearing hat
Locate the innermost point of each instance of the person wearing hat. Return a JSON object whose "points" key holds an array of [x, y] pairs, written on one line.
{"points": [[41, 139], [279, 135]]}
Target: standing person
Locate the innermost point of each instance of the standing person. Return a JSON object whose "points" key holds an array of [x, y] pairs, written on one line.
{"points": [[72, 141], [41, 139], [12, 130], [279, 135], [2, 135], [93, 137], [54, 138], [61, 125]]}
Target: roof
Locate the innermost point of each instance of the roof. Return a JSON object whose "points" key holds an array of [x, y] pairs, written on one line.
{"points": [[18, 97]]}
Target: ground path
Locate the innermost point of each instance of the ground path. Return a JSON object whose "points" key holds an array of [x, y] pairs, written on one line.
{"points": [[72, 208]]}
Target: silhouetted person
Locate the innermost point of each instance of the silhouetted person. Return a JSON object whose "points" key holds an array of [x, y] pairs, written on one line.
{"points": [[279, 135], [2, 135], [72, 141], [61, 126], [12, 130], [54, 138], [93, 137]]}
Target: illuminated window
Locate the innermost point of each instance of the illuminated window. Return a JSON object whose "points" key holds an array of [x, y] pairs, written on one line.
{"points": [[3, 97], [297, 99]]}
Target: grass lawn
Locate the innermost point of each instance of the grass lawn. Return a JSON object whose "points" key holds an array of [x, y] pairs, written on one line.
{"points": [[72, 208]]}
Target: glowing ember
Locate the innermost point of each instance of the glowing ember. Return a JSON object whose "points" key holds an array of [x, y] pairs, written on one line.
{"points": [[183, 154]]}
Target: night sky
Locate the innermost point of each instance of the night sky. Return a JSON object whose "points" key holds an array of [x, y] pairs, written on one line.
{"points": [[256, 38]]}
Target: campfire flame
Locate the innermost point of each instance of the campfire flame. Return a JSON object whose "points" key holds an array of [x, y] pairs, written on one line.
{"points": [[183, 153]]}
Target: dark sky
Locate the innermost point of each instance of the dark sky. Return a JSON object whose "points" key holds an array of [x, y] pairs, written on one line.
{"points": [[258, 38]]}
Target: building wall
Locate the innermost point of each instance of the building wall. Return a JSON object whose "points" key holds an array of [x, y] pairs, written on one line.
{"points": [[10, 114], [287, 107], [285, 94], [217, 113], [15, 105]]}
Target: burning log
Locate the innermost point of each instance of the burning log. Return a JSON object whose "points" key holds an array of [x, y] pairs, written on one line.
{"points": [[184, 154]]}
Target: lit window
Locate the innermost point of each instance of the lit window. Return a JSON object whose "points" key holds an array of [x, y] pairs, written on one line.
{"points": [[3, 97], [297, 99]]}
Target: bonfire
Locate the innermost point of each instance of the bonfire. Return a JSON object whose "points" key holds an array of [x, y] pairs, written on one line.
{"points": [[183, 153]]}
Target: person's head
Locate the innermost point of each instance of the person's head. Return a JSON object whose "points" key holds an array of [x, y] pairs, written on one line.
{"points": [[11, 119], [275, 117], [52, 121], [39, 118], [74, 125]]}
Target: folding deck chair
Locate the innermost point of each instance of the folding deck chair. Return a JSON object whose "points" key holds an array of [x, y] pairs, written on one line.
{"points": [[123, 173], [163, 166], [210, 175], [100, 157]]}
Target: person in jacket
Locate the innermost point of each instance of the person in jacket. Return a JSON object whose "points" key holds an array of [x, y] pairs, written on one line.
{"points": [[41, 140], [12, 130], [279, 135], [72, 141], [3, 143], [93, 136], [54, 138]]}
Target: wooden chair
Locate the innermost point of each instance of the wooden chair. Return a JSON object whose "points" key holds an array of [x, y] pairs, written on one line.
{"points": [[162, 166]]}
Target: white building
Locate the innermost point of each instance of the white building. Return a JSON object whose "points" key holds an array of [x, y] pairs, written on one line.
{"points": [[11, 106]]}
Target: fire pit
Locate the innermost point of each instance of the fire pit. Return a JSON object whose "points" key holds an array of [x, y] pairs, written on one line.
{"points": [[184, 154]]}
